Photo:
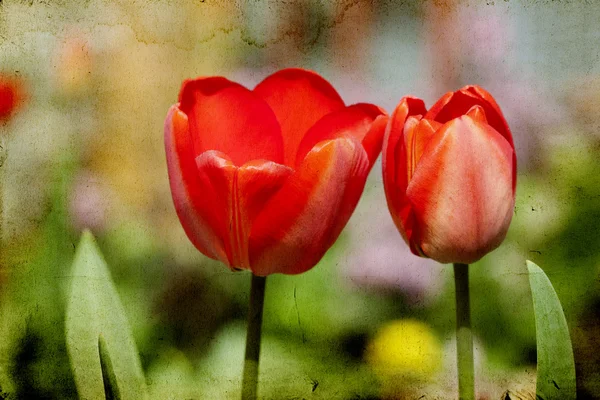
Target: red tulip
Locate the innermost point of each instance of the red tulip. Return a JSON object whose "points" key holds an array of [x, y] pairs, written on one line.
{"points": [[266, 179], [11, 95], [450, 175]]}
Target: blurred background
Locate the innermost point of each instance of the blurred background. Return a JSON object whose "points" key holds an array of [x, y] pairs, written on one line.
{"points": [[84, 148]]}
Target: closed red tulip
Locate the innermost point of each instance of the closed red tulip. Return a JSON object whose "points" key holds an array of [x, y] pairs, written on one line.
{"points": [[266, 179], [450, 175]]}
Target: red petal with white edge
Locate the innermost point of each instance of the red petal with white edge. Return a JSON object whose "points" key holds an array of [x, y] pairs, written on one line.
{"points": [[395, 157], [304, 218], [187, 190], [353, 121], [299, 98], [227, 117], [461, 192]]}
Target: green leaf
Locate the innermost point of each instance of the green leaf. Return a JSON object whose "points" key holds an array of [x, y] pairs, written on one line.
{"points": [[555, 363], [99, 340], [111, 388]]}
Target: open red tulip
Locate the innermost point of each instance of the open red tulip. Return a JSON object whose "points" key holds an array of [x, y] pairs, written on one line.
{"points": [[266, 179], [450, 175]]}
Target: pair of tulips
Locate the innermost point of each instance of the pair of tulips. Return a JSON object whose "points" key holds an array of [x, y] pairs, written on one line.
{"points": [[266, 179]]}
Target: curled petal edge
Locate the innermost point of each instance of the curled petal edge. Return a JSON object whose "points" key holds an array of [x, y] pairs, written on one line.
{"points": [[301, 222]]}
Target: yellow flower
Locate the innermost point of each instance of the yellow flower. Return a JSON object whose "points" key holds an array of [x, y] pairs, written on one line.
{"points": [[405, 349]]}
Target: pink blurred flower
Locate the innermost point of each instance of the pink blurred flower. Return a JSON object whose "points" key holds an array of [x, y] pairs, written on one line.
{"points": [[479, 45], [87, 205], [379, 259]]}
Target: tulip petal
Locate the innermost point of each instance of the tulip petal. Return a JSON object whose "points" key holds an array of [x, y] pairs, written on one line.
{"points": [[373, 140], [353, 121], [477, 113], [186, 189], [461, 193], [229, 118], [417, 134], [454, 104], [233, 196], [214, 200], [305, 217], [256, 182], [500, 124], [394, 162], [299, 99]]}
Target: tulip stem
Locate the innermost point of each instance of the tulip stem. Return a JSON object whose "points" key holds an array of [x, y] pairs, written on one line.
{"points": [[3, 155], [464, 335], [255, 314]]}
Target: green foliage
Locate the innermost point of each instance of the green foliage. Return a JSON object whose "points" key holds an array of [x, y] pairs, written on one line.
{"points": [[556, 366], [99, 342]]}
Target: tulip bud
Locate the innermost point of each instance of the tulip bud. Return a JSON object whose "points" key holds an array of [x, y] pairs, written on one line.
{"points": [[266, 179], [450, 175]]}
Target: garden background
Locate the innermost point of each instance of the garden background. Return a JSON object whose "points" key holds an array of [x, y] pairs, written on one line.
{"points": [[86, 150]]}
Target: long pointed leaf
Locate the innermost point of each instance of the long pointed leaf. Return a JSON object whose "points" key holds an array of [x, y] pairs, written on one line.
{"points": [[99, 340], [111, 388], [555, 363]]}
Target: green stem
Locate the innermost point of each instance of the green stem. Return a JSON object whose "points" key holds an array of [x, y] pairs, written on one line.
{"points": [[255, 313], [3, 155], [464, 335]]}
